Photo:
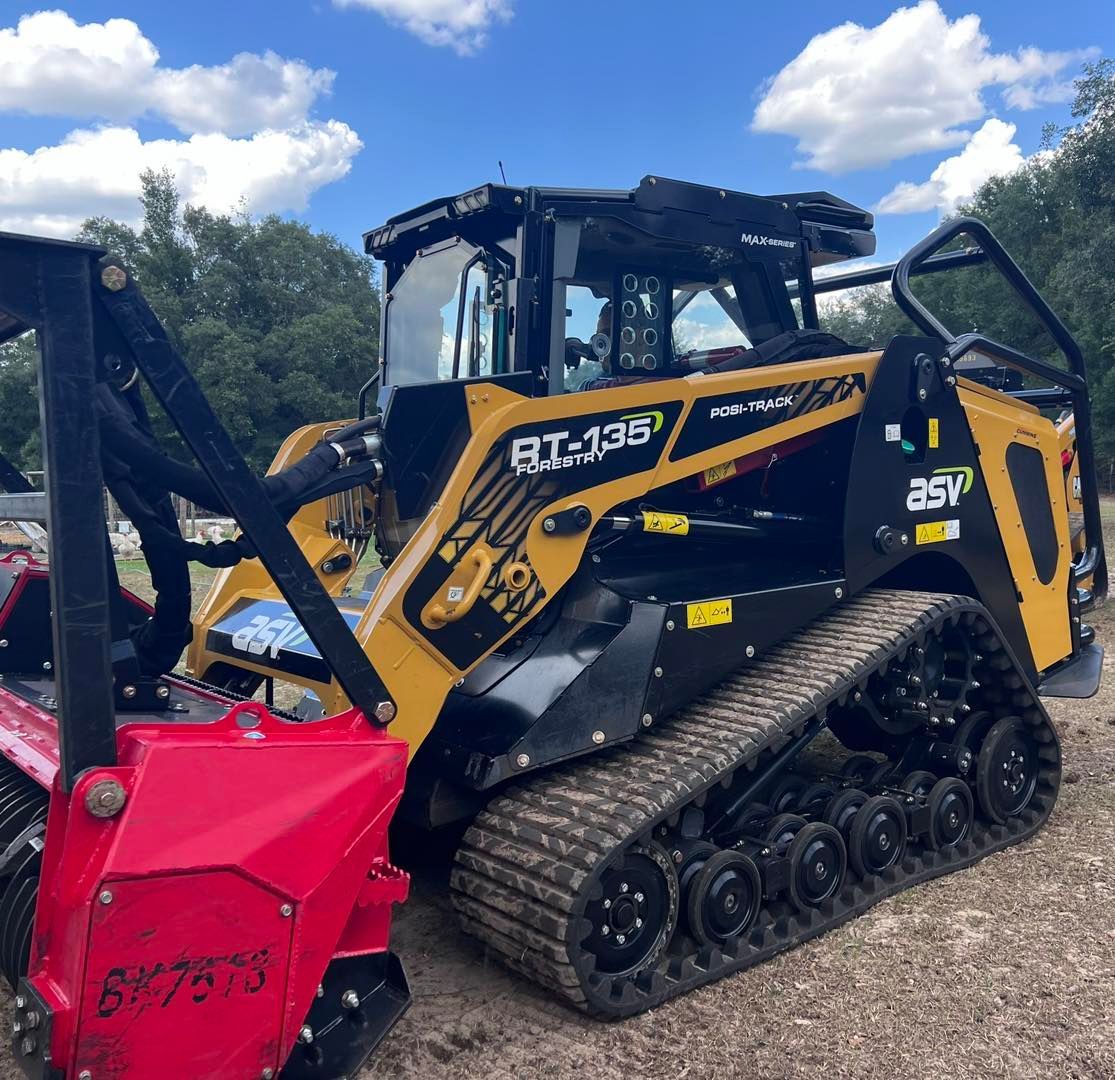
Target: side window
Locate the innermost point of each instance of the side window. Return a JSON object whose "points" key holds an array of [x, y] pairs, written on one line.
{"points": [[703, 324], [472, 313], [587, 336]]}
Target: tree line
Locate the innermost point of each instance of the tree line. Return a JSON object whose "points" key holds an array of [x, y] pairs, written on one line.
{"points": [[280, 324], [1056, 216]]}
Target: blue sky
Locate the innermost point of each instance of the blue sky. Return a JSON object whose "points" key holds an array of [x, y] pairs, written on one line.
{"points": [[397, 101]]}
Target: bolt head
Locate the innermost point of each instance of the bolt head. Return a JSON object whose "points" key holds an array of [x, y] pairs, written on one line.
{"points": [[605, 930], [105, 798], [113, 278], [28, 1046], [267, 1074], [3, 643], [105, 897], [621, 939], [350, 999], [658, 673], [838, 592], [598, 737], [549, 525], [647, 719], [47, 665], [750, 651], [163, 692], [638, 923], [85, 1074], [522, 761], [33, 1018], [20, 1001], [922, 394], [669, 626], [606, 904], [286, 911], [639, 898], [17, 1028], [306, 1034], [129, 692], [385, 712]]}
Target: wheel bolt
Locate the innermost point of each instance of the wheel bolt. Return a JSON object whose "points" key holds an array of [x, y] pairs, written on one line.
{"points": [[605, 930], [607, 904], [623, 886], [638, 923], [639, 898], [621, 938]]}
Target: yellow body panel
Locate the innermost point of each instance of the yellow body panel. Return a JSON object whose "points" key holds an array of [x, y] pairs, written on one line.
{"points": [[998, 420], [416, 674], [249, 579]]}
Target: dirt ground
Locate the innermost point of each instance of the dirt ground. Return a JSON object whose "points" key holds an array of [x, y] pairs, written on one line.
{"points": [[1006, 969]]}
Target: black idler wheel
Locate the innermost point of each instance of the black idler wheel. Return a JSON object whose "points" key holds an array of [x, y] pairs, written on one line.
{"points": [[784, 795], [842, 809], [970, 734], [919, 782], [1007, 770], [818, 859], [689, 857], [726, 897], [877, 836], [951, 811], [781, 831], [858, 767], [17, 912], [881, 774], [634, 917], [815, 797]]}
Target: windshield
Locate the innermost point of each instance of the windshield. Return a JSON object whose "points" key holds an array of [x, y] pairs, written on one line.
{"points": [[440, 321]]}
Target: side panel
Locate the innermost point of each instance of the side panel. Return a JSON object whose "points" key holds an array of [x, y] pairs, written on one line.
{"points": [[1027, 505], [528, 460], [934, 493], [249, 581]]}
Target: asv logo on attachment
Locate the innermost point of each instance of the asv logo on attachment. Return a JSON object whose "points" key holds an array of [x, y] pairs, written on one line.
{"points": [[946, 485]]}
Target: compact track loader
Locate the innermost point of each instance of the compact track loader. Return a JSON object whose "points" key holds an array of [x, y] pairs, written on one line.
{"points": [[700, 651]]}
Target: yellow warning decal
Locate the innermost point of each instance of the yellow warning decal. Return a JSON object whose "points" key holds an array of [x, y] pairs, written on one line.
{"points": [[656, 522], [935, 532], [720, 472], [934, 433], [710, 613]]}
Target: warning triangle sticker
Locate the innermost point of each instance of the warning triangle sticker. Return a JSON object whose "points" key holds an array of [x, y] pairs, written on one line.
{"points": [[699, 618]]}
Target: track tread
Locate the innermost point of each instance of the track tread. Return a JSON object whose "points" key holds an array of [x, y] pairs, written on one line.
{"points": [[528, 863]]}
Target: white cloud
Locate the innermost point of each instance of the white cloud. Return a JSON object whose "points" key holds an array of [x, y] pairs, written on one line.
{"points": [[698, 335], [53, 189], [250, 139], [461, 24], [990, 152], [51, 65], [857, 96]]}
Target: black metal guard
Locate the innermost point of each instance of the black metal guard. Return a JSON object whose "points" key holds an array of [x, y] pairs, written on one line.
{"points": [[56, 289], [184, 402], [45, 286], [1071, 384]]}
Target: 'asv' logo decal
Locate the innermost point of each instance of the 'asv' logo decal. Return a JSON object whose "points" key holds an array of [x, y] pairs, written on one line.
{"points": [[265, 634], [944, 486]]}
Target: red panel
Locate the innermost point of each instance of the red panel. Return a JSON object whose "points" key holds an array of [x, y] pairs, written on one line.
{"points": [[161, 963], [223, 825]]}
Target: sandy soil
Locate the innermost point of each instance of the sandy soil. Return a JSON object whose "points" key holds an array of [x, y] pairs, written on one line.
{"points": [[1003, 970]]}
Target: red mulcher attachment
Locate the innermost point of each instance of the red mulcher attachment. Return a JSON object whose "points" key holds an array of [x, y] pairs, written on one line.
{"points": [[191, 884]]}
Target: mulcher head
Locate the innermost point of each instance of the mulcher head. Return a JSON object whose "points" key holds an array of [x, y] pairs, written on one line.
{"points": [[208, 906]]}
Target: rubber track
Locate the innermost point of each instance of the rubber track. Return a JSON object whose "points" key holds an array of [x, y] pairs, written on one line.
{"points": [[529, 863]]}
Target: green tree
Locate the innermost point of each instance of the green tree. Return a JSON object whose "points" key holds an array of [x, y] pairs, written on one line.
{"points": [[1056, 216], [279, 324]]}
